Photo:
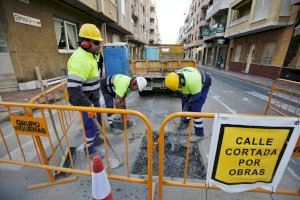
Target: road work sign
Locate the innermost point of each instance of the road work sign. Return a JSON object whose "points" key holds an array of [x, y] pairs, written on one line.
{"points": [[249, 152], [35, 126]]}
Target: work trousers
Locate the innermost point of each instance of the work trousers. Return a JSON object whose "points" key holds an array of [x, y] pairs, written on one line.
{"points": [[194, 103], [90, 128]]}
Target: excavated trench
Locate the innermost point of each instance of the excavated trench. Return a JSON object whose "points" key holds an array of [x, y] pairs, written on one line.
{"points": [[174, 162]]}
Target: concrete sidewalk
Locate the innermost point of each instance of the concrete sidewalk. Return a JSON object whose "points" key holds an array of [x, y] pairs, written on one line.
{"points": [[257, 80]]}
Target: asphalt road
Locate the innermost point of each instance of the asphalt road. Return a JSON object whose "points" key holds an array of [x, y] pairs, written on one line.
{"points": [[227, 95]]}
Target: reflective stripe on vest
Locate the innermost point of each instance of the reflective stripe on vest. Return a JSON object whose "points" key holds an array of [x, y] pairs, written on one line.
{"points": [[109, 84]]}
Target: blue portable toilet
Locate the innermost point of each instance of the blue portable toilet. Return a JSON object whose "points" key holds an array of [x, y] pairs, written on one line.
{"points": [[116, 59], [151, 53]]}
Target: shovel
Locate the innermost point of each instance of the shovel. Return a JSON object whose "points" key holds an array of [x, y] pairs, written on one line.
{"points": [[109, 143]]}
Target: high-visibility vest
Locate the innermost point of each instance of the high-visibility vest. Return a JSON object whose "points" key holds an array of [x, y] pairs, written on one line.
{"points": [[193, 80], [83, 72], [119, 84]]}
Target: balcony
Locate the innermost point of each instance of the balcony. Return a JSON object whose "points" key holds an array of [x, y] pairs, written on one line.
{"points": [[152, 15], [152, 26], [295, 2], [239, 21], [135, 13], [215, 31], [153, 37], [203, 23], [217, 7], [137, 36], [242, 24], [204, 4]]}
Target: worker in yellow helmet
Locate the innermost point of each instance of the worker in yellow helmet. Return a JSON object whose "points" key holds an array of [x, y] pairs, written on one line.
{"points": [[84, 81], [194, 86]]}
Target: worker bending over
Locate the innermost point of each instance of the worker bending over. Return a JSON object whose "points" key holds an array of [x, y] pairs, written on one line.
{"points": [[115, 89], [84, 81], [194, 86]]}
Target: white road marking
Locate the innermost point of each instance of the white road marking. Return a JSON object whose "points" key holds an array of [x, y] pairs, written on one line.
{"points": [[245, 99], [228, 91], [17, 155], [287, 97], [7, 136], [278, 104], [29, 151], [293, 173], [216, 97], [294, 161]]}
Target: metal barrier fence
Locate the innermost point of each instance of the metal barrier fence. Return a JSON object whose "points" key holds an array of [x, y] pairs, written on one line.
{"points": [[186, 182], [60, 119], [284, 100], [51, 139]]}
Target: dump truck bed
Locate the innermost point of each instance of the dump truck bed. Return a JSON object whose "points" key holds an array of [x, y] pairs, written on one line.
{"points": [[156, 71], [159, 68]]}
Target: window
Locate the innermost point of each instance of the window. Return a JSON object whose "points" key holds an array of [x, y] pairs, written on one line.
{"points": [[115, 38], [268, 53], [237, 53], [3, 45], [66, 35], [261, 9], [123, 8]]}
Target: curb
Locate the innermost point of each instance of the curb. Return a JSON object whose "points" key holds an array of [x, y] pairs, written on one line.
{"points": [[295, 93], [239, 78], [5, 116]]}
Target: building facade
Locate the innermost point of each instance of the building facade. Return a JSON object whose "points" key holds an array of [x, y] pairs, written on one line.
{"points": [[190, 34], [153, 25], [44, 33], [215, 44], [260, 32], [258, 37]]}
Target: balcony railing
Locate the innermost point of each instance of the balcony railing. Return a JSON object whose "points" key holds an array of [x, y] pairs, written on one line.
{"points": [[216, 7], [217, 28], [240, 20]]}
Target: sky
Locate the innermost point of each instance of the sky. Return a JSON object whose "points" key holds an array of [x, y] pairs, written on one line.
{"points": [[170, 14]]}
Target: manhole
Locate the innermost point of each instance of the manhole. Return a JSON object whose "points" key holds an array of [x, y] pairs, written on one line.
{"points": [[174, 161]]}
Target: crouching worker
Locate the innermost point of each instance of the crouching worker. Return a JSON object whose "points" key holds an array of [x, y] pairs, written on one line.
{"points": [[115, 89], [84, 81], [194, 86]]}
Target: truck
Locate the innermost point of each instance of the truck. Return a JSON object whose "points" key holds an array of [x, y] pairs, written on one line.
{"points": [[171, 58]]}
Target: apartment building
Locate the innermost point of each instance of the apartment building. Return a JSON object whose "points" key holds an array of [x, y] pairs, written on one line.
{"points": [[215, 44], [258, 37], [260, 32], [190, 34], [140, 27], [44, 33], [153, 25]]}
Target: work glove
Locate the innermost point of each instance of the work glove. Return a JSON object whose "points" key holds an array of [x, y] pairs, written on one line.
{"points": [[91, 114]]}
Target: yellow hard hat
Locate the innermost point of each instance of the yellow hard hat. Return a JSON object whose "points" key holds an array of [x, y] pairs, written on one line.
{"points": [[90, 31], [172, 81]]}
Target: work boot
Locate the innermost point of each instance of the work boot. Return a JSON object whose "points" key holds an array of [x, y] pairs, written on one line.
{"points": [[184, 123], [195, 138], [98, 140], [95, 152]]}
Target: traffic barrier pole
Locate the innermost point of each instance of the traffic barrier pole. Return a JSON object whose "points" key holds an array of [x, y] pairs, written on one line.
{"points": [[100, 184]]}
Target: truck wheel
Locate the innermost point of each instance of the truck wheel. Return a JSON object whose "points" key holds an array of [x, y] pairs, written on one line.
{"points": [[142, 94]]}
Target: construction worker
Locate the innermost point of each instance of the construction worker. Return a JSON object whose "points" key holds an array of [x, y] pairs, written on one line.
{"points": [[84, 81], [194, 86], [115, 89]]}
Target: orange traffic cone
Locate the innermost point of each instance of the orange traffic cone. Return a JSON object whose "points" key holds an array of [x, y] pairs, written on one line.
{"points": [[100, 184]]}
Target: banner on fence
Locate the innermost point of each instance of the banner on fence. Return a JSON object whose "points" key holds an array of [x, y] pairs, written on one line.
{"points": [[35, 126], [248, 152]]}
